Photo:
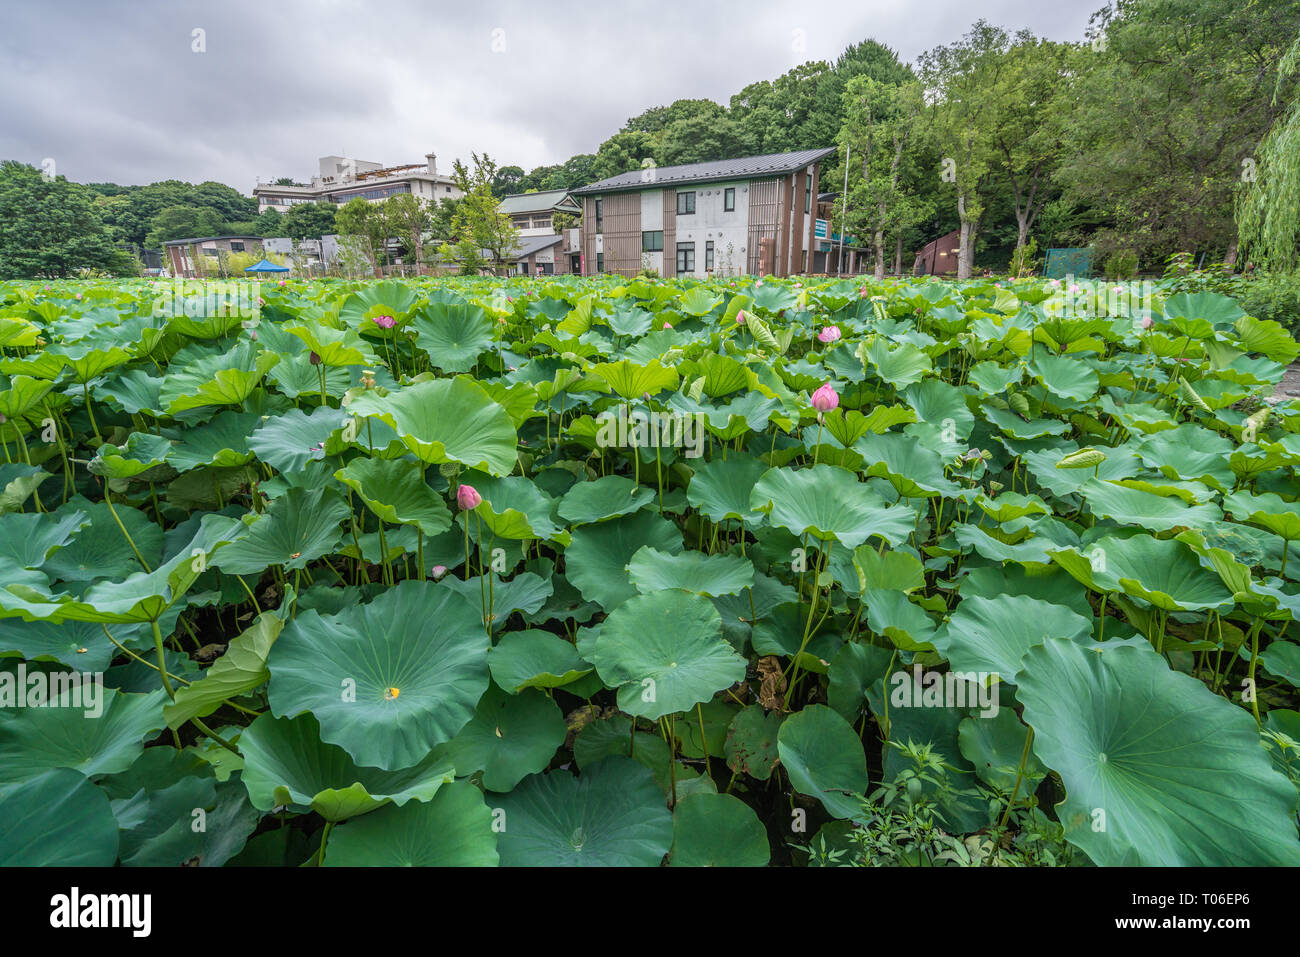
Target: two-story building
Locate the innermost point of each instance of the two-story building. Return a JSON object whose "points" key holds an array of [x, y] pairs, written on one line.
{"points": [[752, 215], [543, 251], [343, 178]]}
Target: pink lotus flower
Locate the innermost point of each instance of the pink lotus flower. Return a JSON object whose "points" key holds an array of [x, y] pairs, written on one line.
{"points": [[798, 285], [825, 398], [740, 316], [1055, 282], [384, 322], [467, 497], [281, 282], [829, 334], [78, 295], [1074, 287], [438, 571], [862, 293], [1147, 322], [759, 283], [668, 325]]}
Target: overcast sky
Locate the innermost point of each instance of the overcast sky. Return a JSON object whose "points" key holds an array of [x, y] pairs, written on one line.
{"points": [[113, 90]]}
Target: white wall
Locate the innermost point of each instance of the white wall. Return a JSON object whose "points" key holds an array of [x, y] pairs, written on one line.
{"points": [[710, 223]]}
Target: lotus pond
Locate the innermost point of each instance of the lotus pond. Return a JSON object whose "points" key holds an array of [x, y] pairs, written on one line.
{"points": [[632, 572]]}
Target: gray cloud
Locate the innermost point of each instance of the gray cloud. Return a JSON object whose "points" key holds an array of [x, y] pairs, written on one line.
{"points": [[114, 92]]}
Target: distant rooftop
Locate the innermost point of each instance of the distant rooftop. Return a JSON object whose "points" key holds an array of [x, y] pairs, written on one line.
{"points": [[770, 164], [207, 239], [544, 201]]}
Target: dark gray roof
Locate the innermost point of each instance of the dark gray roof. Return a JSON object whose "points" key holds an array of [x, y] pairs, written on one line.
{"points": [[207, 239], [531, 244], [746, 167]]}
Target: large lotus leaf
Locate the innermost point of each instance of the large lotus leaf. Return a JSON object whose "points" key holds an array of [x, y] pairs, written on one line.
{"points": [[824, 758], [447, 420], [899, 364], [632, 380], [20, 394], [56, 819], [17, 482], [510, 737], [1132, 506], [750, 745], [892, 614], [1214, 310], [914, 470], [1018, 428], [1268, 337], [299, 527], [288, 442], [80, 725], [221, 441], [397, 492], [831, 504], [717, 830], [1165, 572], [605, 498], [1158, 770], [652, 570], [241, 669], [991, 635], [534, 659], [287, 763], [1282, 658], [334, 347], [27, 539], [853, 670], [720, 488], [596, 558], [388, 680], [665, 654], [88, 361], [225, 379], [453, 336], [1066, 377], [453, 829], [995, 746], [1268, 511], [154, 801], [525, 593], [611, 816], [396, 298], [81, 645], [513, 508], [141, 452], [1190, 452]]}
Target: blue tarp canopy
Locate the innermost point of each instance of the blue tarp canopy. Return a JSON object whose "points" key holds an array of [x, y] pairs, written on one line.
{"points": [[266, 266]]}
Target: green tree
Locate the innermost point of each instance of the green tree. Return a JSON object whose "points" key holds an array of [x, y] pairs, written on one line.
{"points": [[309, 220], [269, 223], [365, 221], [49, 228], [1268, 219], [183, 222], [408, 219], [484, 237], [622, 153]]}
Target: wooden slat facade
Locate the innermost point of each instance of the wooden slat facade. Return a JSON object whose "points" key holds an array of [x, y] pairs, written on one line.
{"points": [[622, 243], [670, 234], [763, 206]]}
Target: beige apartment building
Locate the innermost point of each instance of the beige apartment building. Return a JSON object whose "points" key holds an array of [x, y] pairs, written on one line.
{"points": [[342, 178]]}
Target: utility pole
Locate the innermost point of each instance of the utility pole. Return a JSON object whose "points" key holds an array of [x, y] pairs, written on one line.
{"points": [[844, 210]]}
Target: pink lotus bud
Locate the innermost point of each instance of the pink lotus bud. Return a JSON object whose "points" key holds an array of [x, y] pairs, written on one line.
{"points": [[78, 295], [314, 359], [384, 322], [759, 283], [862, 293], [1074, 287], [740, 316], [668, 325], [281, 282], [829, 334], [1147, 322], [825, 398], [467, 497], [438, 571]]}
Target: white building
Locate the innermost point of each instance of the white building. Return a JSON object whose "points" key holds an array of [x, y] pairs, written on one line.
{"points": [[342, 178]]}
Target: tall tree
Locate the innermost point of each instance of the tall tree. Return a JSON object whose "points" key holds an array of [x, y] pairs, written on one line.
{"points": [[484, 236], [49, 228], [365, 221], [309, 220], [1268, 218], [408, 219]]}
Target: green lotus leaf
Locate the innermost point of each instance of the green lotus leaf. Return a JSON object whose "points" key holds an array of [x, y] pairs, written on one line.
{"points": [[665, 654], [853, 670], [17, 483], [720, 488], [717, 830], [597, 557], [900, 364], [1282, 658], [891, 614], [87, 361], [453, 336], [821, 753], [447, 420], [141, 453], [510, 737], [287, 763], [605, 498], [1165, 572], [298, 528], [20, 394], [225, 379], [334, 347], [241, 669], [513, 508], [1066, 377], [897, 571], [750, 746], [995, 745], [632, 380], [221, 441], [288, 442], [1157, 513], [81, 725], [829, 503], [1266, 510], [397, 493], [991, 635], [913, 470], [613, 815], [651, 570], [1157, 769], [452, 829], [388, 680], [56, 819], [534, 659], [81, 645]]}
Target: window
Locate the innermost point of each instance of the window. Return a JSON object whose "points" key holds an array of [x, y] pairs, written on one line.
{"points": [[541, 222], [600, 260], [729, 200], [520, 222], [685, 203], [685, 256], [236, 247], [708, 256], [807, 193], [652, 241], [600, 218]]}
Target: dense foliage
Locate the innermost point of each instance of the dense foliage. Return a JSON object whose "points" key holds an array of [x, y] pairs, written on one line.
{"points": [[618, 572]]}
